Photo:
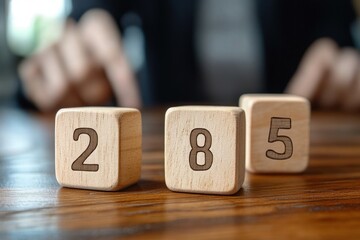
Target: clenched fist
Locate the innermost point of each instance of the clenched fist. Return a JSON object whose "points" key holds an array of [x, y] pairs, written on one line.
{"points": [[329, 76], [87, 66]]}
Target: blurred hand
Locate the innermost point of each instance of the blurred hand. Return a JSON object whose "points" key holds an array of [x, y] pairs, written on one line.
{"points": [[328, 76], [85, 67]]}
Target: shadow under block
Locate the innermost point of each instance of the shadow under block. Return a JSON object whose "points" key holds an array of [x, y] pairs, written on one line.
{"points": [[204, 149], [277, 132], [98, 147]]}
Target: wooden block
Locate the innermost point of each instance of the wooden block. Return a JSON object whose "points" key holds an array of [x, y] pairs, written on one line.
{"points": [[98, 147], [204, 149], [277, 132]]}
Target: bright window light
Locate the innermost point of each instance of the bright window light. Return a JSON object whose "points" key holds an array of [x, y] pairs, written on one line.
{"points": [[34, 24]]}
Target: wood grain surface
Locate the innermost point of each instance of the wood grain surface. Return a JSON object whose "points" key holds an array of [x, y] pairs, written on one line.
{"points": [[321, 203]]}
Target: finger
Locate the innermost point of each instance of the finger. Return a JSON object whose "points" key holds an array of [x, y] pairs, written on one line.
{"points": [[33, 82], [351, 100], [84, 73], [57, 87], [75, 59], [313, 69], [100, 34], [340, 79]]}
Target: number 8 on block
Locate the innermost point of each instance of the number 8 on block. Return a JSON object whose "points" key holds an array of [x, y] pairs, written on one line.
{"points": [[277, 134], [98, 148], [204, 149]]}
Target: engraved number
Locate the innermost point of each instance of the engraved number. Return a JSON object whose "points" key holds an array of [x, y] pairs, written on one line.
{"points": [[78, 164], [195, 149], [275, 125]]}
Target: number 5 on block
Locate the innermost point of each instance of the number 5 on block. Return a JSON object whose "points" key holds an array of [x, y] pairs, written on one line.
{"points": [[98, 148], [277, 134]]}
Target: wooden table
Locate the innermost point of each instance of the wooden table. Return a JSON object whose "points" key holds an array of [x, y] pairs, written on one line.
{"points": [[322, 203]]}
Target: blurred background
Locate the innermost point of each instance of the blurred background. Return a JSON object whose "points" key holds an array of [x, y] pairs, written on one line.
{"points": [[204, 51], [25, 26]]}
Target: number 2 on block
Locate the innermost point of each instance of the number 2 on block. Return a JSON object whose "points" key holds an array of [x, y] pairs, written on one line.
{"points": [[276, 124], [78, 164]]}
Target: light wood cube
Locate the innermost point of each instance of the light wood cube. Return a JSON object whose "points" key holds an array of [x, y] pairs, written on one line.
{"points": [[98, 147], [277, 132], [204, 149]]}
